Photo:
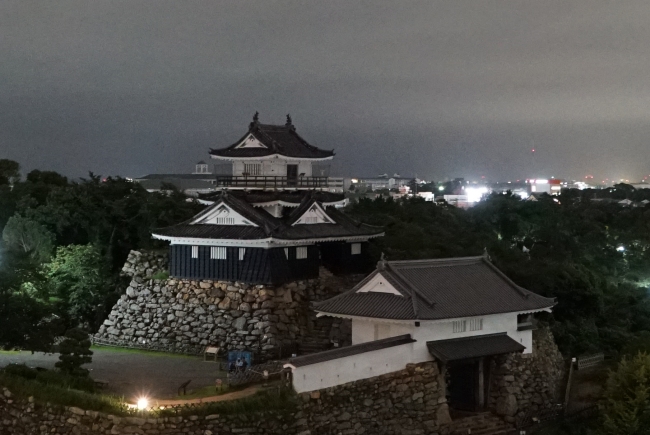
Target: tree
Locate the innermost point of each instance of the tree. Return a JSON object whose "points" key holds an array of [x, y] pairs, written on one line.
{"points": [[74, 352], [79, 280], [627, 398], [26, 322], [28, 236], [9, 171]]}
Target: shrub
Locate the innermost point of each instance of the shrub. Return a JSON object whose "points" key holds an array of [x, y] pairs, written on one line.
{"points": [[75, 351], [162, 275]]}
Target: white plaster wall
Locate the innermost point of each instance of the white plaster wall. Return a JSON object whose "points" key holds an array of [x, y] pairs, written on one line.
{"points": [[304, 167], [364, 330], [352, 368]]}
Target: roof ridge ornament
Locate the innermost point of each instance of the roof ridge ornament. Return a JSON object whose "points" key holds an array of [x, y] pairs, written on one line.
{"points": [[289, 123], [256, 120], [381, 264], [486, 256]]}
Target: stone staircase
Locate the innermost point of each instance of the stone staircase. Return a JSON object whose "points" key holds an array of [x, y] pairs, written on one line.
{"points": [[484, 423]]}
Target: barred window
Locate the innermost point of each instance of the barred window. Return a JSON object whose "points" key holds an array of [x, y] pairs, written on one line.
{"points": [[225, 221], [253, 168], [311, 219], [476, 324], [356, 248], [301, 252], [242, 252], [460, 325], [195, 252], [218, 252]]}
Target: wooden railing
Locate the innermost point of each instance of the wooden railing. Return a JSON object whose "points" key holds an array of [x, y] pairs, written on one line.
{"points": [[271, 182]]}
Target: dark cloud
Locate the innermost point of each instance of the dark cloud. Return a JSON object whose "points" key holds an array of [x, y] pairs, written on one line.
{"points": [[462, 88]]}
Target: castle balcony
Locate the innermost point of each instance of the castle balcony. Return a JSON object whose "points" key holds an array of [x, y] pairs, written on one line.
{"points": [[279, 182]]}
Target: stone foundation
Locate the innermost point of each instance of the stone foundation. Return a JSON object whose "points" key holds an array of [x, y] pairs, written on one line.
{"points": [[186, 316], [522, 383], [407, 402]]}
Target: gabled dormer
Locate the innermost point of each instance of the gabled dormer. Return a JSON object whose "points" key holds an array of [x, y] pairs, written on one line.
{"points": [[222, 214], [310, 213]]}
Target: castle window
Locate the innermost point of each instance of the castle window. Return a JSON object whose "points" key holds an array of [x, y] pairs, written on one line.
{"points": [[253, 168], [460, 326], [356, 248], [476, 324], [195, 252], [301, 252], [242, 252], [224, 221], [218, 252]]}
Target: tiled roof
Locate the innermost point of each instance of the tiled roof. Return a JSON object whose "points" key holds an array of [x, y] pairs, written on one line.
{"points": [[295, 197], [356, 349], [473, 347], [278, 139], [267, 225], [436, 289]]}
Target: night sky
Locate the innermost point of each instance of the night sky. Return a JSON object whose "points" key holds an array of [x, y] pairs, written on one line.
{"points": [[437, 89]]}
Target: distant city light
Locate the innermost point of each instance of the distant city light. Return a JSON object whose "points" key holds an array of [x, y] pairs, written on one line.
{"points": [[441, 188], [474, 194]]}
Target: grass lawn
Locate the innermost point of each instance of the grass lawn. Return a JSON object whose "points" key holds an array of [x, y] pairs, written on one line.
{"points": [[9, 352], [208, 391], [141, 352]]}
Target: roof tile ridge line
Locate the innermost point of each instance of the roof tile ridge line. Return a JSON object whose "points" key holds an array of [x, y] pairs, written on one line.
{"points": [[275, 144], [295, 133], [408, 287], [415, 289], [353, 290], [350, 219], [521, 291], [437, 260]]}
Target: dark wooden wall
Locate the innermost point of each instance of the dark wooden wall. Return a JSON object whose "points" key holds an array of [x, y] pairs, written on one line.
{"points": [[259, 266], [337, 257]]}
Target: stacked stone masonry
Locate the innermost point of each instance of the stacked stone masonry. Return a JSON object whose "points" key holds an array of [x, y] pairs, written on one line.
{"points": [[186, 316], [408, 402], [523, 383]]}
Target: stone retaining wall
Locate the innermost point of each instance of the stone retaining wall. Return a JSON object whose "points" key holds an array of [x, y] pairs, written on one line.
{"points": [[408, 402], [185, 315], [523, 383]]}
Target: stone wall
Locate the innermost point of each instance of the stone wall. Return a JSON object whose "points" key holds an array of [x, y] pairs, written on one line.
{"points": [[19, 417], [522, 383], [185, 316], [408, 402]]}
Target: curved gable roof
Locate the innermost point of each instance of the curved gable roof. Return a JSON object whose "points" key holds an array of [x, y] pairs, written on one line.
{"points": [[276, 139], [437, 289]]}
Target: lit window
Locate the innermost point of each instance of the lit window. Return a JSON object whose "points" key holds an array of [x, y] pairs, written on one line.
{"points": [[476, 324], [218, 252], [301, 253], [356, 248], [242, 252], [195, 252], [460, 326], [253, 168]]}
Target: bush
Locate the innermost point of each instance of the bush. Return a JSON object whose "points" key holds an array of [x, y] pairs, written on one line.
{"points": [[162, 275], [627, 397], [75, 351], [50, 377]]}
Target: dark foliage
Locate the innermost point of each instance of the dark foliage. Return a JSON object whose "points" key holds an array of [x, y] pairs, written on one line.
{"points": [[569, 248], [74, 352]]}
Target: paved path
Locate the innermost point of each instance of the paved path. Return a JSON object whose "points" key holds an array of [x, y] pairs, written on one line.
{"points": [[133, 374], [248, 391]]}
